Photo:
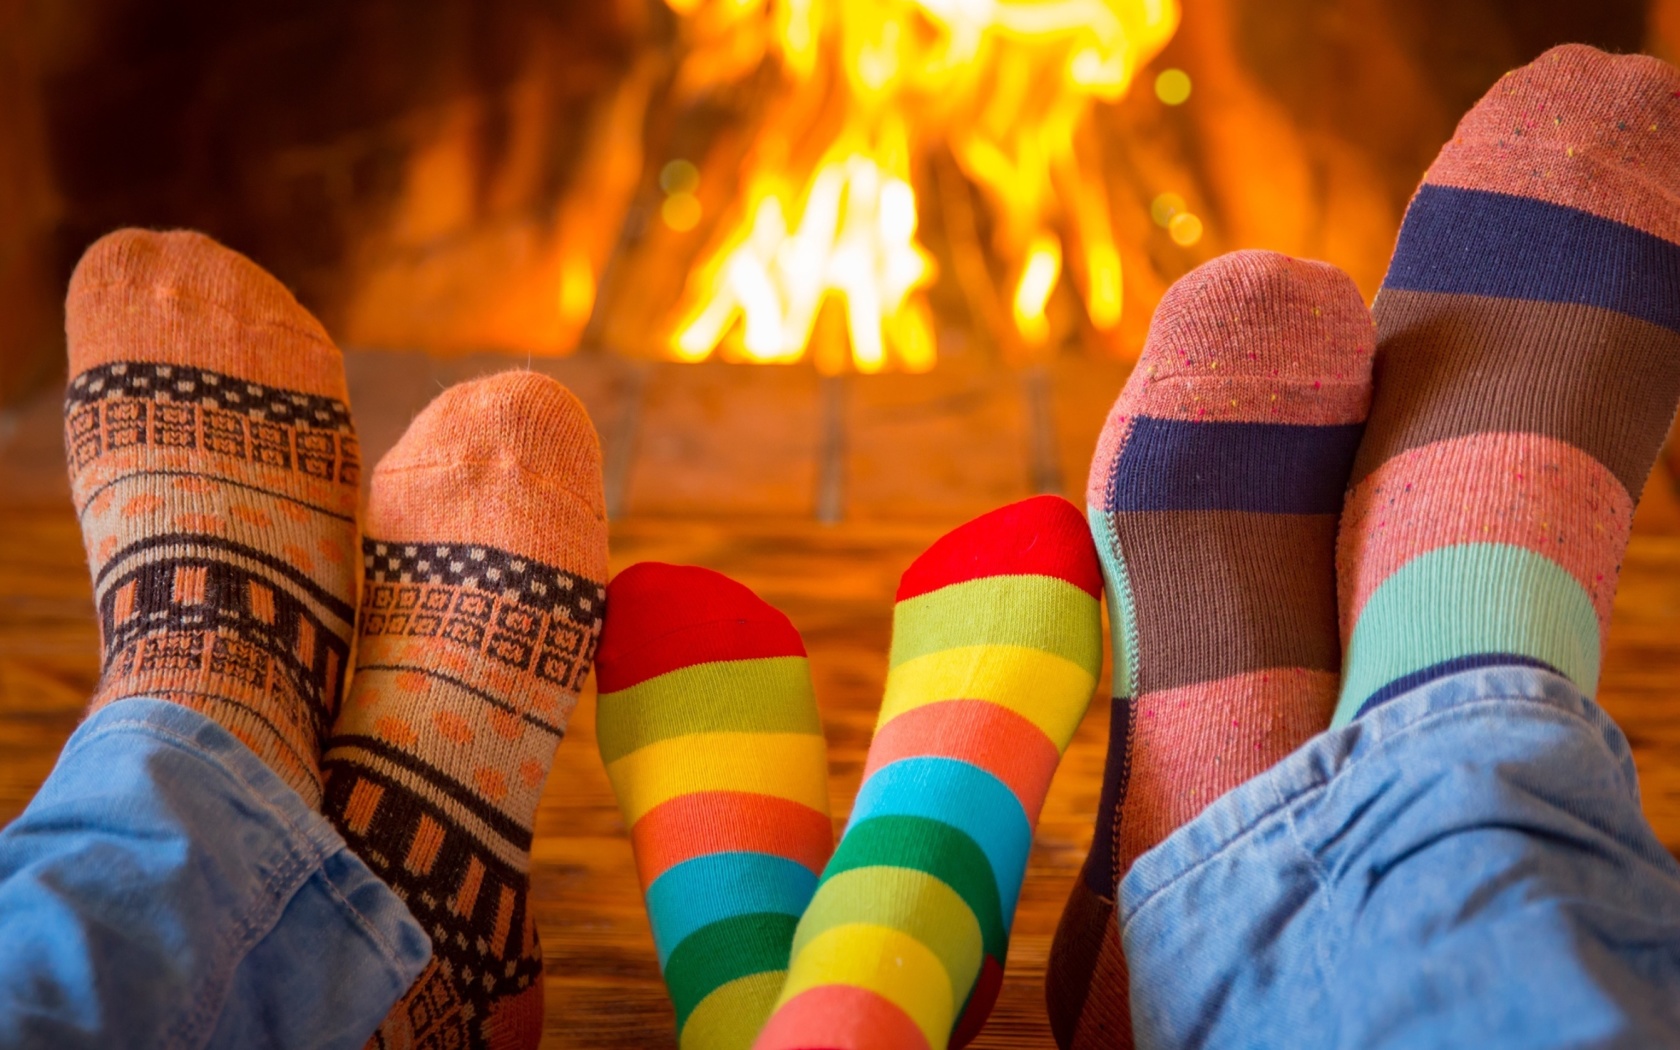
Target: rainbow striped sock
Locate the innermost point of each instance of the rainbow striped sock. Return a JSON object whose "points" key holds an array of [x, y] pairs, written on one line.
{"points": [[709, 731], [1529, 364], [997, 642]]}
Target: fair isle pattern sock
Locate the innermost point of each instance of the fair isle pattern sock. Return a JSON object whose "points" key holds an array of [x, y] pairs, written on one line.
{"points": [[1529, 365], [997, 643], [485, 560], [708, 728], [1213, 496], [215, 472]]}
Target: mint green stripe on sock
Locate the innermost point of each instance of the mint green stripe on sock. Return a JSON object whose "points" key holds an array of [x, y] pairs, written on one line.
{"points": [[1122, 615], [1464, 600]]}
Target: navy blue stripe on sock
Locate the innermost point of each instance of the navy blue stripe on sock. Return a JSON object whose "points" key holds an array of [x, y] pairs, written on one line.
{"points": [[1406, 683], [1472, 242], [1272, 468]]}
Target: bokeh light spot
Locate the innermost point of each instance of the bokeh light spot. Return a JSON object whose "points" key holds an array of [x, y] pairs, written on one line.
{"points": [[1172, 86], [1163, 208], [1185, 229], [681, 212], [679, 176]]}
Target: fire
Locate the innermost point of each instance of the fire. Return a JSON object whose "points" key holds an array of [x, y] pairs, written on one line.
{"points": [[868, 91]]}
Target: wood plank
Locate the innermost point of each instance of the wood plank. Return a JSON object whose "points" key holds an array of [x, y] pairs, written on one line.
{"points": [[724, 439], [32, 452], [945, 446]]}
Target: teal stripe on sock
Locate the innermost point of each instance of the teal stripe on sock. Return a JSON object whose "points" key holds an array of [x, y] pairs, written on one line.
{"points": [[718, 886], [963, 796], [1466, 599], [1122, 617]]}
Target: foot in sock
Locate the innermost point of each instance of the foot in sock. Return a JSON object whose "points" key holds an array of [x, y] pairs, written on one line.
{"points": [[484, 565], [1528, 369], [997, 643], [708, 728], [1213, 498], [215, 472]]}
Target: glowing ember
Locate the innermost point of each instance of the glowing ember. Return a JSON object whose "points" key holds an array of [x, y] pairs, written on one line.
{"points": [[869, 88]]}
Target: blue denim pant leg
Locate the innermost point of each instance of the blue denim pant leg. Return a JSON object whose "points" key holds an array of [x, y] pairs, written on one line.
{"points": [[1466, 865], [165, 889]]}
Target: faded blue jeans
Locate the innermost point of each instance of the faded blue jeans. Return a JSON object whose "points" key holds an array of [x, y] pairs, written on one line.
{"points": [[165, 889], [1464, 866]]}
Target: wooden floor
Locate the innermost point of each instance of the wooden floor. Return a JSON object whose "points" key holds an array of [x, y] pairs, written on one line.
{"points": [[816, 493]]}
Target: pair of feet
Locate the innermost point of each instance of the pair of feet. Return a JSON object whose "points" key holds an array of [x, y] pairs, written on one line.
{"points": [[413, 682], [1527, 365]]}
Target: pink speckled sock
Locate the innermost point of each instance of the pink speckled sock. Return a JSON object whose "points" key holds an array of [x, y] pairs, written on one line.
{"points": [[1529, 351], [1213, 499]]}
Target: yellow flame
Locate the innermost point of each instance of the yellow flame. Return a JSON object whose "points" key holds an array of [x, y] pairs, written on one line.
{"points": [[869, 89]]}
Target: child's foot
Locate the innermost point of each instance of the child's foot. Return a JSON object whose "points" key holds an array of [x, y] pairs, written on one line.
{"points": [[997, 642], [485, 559], [215, 472], [1213, 498], [1529, 367], [709, 731]]}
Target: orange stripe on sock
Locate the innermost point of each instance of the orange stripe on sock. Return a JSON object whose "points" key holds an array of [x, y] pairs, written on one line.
{"points": [[840, 1017], [703, 822], [423, 851], [466, 898], [123, 605], [504, 922], [305, 647], [189, 584], [364, 800], [262, 602], [983, 734]]}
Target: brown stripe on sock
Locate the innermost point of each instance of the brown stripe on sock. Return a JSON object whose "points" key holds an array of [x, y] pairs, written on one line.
{"points": [[1073, 963], [1599, 380], [1107, 1020], [1222, 592]]}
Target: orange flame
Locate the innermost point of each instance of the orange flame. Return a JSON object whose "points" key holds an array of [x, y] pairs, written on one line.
{"points": [[827, 206]]}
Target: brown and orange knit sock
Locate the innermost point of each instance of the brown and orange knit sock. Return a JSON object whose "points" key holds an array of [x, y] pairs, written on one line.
{"points": [[1213, 500], [215, 472], [485, 564]]}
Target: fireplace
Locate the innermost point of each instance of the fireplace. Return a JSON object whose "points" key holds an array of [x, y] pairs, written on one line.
{"points": [[868, 186]]}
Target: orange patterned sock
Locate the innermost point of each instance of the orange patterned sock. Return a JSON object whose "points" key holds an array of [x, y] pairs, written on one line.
{"points": [[485, 560], [215, 472]]}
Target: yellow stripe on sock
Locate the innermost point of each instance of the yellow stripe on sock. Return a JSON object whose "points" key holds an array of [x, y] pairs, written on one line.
{"points": [[1049, 691], [729, 1018], [793, 766], [912, 902], [893, 965]]}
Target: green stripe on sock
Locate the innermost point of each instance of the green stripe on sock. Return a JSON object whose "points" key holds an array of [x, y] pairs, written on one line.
{"points": [[1467, 599], [932, 847], [1030, 611], [1122, 617], [712, 956], [779, 688]]}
